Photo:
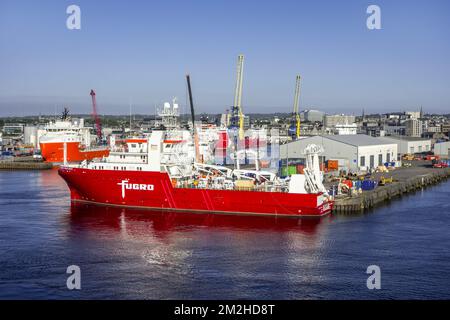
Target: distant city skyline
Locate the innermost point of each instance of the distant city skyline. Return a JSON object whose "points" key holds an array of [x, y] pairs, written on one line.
{"points": [[139, 52]]}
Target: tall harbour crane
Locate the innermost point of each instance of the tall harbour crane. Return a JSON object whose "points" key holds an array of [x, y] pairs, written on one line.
{"points": [[98, 125], [294, 129], [237, 114]]}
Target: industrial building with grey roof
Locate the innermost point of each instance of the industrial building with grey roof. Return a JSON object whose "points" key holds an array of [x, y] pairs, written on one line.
{"points": [[353, 152]]}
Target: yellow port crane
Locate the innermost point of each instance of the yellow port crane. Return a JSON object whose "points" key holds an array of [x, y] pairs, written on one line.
{"points": [[295, 124], [238, 95]]}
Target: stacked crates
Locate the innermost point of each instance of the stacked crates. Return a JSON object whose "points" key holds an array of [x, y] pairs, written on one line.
{"points": [[289, 170]]}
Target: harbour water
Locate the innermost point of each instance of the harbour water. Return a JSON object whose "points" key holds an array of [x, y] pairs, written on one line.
{"points": [[128, 254]]}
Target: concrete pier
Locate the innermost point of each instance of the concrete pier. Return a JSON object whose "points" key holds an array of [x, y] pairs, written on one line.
{"points": [[407, 180], [24, 165]]}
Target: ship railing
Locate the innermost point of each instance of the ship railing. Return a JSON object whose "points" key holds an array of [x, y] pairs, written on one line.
{"points": [[125, 150], [86, 148], [257, 188]]}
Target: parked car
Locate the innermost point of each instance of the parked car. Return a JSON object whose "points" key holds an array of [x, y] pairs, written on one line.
{"points": [[37, 155], [408, 157], [431, 157], [440, 164]]}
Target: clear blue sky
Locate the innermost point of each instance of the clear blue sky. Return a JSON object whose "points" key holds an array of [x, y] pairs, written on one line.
{"points": [[141, 50]]}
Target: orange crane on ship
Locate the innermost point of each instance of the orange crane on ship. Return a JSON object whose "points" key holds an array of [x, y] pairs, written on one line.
{"points": [[98, 125]]}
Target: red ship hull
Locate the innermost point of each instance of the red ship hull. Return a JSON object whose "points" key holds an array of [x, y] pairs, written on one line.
{"points": [[154, 190], [54, 152]]}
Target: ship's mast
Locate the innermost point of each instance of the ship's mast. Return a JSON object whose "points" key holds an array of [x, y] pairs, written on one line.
{"points": [[194, 129], [130, 113]]}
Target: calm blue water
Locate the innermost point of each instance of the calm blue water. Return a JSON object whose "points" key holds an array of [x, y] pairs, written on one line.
{"points": [[138, 254]]}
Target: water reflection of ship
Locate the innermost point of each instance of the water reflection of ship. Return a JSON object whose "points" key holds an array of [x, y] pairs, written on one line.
{"points": [[50, 188], [179, 244], [100, 217]]}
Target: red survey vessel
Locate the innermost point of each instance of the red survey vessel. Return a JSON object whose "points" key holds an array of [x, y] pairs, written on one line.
{"points": [[162, 176], [154, 190]]}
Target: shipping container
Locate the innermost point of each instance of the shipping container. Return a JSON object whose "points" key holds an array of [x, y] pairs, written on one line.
{"points": [[292, 170], [349, 183], [332, 165], [287, 171], [247, 184], [264, 163], [368, 185]]}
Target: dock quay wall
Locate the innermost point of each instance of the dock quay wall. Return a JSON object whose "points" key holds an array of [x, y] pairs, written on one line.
{"points": [[369, 199], [21, 165]]}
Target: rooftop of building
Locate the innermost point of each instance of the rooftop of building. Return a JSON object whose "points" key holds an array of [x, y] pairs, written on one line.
{"points": [[357, 140], [405, 138]]}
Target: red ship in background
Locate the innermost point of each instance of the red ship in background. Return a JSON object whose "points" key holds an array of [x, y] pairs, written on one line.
{"points": [[75, 136], [70, 140], [53, 151]]}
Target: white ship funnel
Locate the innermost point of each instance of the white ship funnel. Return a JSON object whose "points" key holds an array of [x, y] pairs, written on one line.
{"points": [[297, 184]]}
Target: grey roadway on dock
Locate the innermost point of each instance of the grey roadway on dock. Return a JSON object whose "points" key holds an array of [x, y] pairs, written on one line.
{"points": [[406, 180]]}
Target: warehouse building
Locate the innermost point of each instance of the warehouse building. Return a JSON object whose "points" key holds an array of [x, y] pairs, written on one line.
{"points": [[313, 115], [331, 121], [410, 145], [353, 152], [442, 149]]}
